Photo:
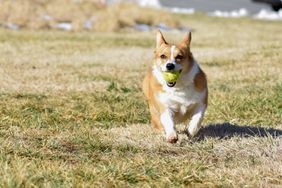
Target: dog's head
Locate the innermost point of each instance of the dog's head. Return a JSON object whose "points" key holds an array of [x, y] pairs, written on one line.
{"points": [[173, 58]]}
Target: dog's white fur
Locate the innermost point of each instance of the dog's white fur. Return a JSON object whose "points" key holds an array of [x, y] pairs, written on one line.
{"points": [[182, 95], [187, 98]]}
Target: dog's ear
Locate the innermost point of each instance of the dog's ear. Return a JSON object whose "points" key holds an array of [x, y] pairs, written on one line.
{"points": [[187, 39], [160, 39]]}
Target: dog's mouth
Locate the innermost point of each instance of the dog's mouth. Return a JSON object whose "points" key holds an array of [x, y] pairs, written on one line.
{"points": [[172, 84]]}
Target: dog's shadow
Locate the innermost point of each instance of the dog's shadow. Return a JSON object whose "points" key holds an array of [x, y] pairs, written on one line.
{"points": [[228, 130]]}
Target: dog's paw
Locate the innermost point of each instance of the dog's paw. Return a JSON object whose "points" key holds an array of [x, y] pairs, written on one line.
{"points": [[172, 138], [192, 130]]}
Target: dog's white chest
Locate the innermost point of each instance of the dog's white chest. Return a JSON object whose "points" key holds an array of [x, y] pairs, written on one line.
{"points": [[180, 100], [183, 95]]}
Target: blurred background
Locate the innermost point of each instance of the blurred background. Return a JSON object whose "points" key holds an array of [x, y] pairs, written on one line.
{"points": [[124, 15]]}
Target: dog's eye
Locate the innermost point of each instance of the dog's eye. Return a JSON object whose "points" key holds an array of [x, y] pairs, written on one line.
{"points": [[179, 57], [163, 56]]}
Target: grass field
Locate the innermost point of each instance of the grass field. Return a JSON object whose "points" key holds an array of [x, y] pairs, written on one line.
{"points": [[72, 113]]}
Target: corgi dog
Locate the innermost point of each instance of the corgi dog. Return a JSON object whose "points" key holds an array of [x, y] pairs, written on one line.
{"points": [[172, 103]]}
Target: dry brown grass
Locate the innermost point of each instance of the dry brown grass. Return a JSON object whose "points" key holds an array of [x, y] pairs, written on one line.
{"points": [[72, 112], [33, 14], [120, 16]]}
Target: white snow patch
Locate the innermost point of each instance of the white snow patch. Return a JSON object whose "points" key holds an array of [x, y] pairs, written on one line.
{"points": [[88, 24], [182, 10], [12, 26], [47, 17], [142, 27], [269, 15], [64, 26], [234, 13], [149, 3], [143, 3]]}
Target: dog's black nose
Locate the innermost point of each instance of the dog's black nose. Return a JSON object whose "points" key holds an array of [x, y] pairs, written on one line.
{"points": [[170, 66]]}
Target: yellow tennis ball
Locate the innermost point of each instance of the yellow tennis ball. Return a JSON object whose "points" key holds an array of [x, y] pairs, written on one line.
{"points": [[171, 76]]}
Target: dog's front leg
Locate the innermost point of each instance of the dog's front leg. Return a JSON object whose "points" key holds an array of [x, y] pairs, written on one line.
{"points": [[168, 124], [196, 120]]}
